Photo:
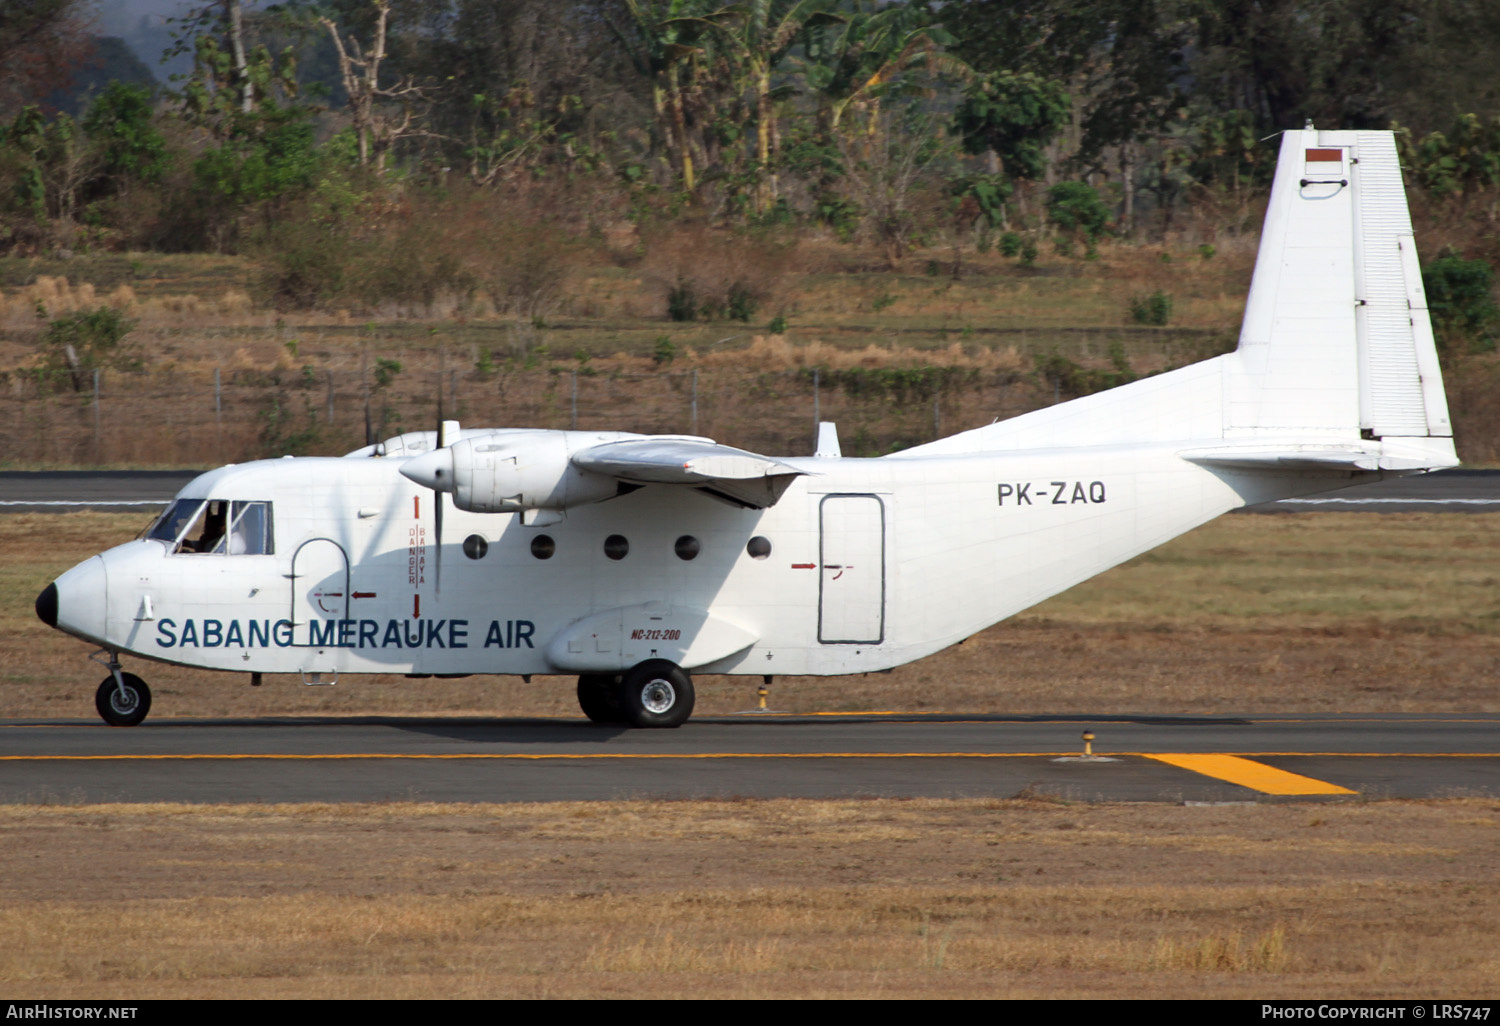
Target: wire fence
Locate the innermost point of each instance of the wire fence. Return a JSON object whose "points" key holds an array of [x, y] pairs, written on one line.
{"points": [[228, 415]]}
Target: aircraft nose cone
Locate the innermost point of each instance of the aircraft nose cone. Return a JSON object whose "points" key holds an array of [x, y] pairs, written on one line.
{"points": [[431, 470], [77, 602], [46, 605]]}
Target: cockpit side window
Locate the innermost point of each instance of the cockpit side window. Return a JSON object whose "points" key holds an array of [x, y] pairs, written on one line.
{"points": [[207, 532], [249, 530]]}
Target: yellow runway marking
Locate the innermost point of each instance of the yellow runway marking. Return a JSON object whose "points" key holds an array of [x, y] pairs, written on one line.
{"points": [[1254, 775]]}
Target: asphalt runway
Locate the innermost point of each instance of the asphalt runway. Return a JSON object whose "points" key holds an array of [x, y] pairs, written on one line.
{"points": [[1447, 491], [58, 491], [1141, 759]]}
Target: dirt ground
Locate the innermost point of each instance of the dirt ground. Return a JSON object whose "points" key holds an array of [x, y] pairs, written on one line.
{"points": [[1019, 898]]}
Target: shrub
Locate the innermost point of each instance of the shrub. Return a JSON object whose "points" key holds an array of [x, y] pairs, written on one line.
{"points": [[1010, 244], [1155, 309], [742, 302], [386, 371], [896, 385], [705, 274], [1076, 207], [1068, 377], [682, 302], [1461, 301], [302, 264], [79, 343]]}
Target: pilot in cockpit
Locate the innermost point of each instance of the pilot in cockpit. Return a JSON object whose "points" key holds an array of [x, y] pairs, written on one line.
{"points": [[213, 528]]}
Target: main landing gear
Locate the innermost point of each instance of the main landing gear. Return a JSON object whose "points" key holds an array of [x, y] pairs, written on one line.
{"points": [[123, 699], [656, 693]]}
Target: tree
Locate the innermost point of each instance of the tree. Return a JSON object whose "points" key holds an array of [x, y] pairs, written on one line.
{"points": [[41, 42], [668, 43], [884, 169], [762, 40], [228, 82], [856, 62], [217, 68], [375, 128], [121, 123], [1015, 117], [520, 88]]}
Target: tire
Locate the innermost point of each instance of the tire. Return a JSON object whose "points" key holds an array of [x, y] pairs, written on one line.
{"points": [[656, 693], [126, 710], [596, 697]]}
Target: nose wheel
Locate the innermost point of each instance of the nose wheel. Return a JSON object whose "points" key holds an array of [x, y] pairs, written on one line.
{"points": [[123, 702]]}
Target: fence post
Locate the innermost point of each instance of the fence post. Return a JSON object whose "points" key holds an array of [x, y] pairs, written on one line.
{"points": [[97, 455], [218, 400], [695, 400], [817, 415], [330, 398], [574, 421]]}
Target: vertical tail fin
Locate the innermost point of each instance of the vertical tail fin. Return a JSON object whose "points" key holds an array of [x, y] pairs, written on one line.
{"points": [[1336, 336]]}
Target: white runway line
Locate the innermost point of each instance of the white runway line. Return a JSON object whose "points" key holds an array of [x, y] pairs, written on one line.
{"points": [[84, 502], [1386, 502]]}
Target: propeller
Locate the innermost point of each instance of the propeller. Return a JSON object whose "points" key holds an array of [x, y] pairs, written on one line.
{"points": [[441, 443]]}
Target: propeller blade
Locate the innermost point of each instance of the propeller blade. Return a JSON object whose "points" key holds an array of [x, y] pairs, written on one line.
{"points": [[437, 497], [437, 563]]}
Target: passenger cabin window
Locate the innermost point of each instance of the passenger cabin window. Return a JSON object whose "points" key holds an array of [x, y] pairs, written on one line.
{"points": [[220, 526]]}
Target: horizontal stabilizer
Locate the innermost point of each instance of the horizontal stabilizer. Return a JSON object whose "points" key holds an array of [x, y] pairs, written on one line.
{"points": [[1389, 454]]}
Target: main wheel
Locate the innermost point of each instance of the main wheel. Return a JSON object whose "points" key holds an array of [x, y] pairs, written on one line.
{"points": [[123, 709], [656, 693], [596, 697]]}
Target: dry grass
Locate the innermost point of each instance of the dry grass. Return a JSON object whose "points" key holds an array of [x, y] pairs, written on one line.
{"points": [[751, 899], [195, 319], [1251, 614]]}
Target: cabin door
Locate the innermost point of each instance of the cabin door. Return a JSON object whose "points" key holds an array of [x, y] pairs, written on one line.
{"points": [[851, 570], [320, 593]]}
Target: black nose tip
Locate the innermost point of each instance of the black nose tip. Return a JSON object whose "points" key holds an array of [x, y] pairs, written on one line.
{"points": [[46, 605]]}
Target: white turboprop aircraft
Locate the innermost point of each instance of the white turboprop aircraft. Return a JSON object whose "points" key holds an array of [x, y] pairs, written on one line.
{"points": [[632, 561]]}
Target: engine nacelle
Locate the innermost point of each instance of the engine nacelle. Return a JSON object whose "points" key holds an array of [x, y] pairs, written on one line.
{"points": [[516, 471]]}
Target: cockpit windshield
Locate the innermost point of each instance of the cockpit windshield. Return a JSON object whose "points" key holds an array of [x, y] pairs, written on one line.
{"points": [[169, 526], [221, 526]]}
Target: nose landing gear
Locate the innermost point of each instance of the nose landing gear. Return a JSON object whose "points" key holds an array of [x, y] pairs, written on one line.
{"points": [[123, 699]]}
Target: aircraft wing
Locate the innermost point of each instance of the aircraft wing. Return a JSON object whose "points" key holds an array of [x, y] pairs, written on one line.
{"points": [[740, 477]]}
